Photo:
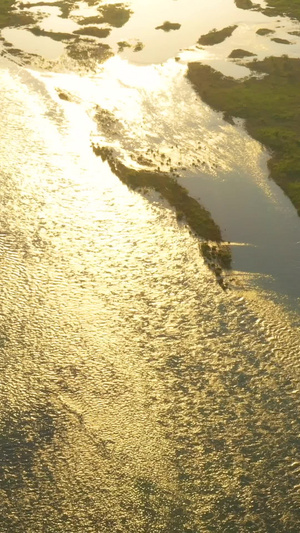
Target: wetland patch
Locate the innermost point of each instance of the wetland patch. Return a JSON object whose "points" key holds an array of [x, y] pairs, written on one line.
{"points": [[264, 31], [93, 31], [5, 7], [114, 14], [290, 8], [187, 208], [280, 41], [216, 36], [238, 53], [271, 107], [168, 26]]}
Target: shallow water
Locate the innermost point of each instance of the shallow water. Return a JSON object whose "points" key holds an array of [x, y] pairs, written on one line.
{"points": [[137, 395], [152, 111], [145, 107], [198, 18]]}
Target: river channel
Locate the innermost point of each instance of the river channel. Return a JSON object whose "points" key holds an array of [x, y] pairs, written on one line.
{"points": [[137, 395]]}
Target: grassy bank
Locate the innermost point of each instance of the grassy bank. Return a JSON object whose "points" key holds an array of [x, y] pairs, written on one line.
{"points": [[290, 8], [186, 207], [271, 107], [5, 6]]}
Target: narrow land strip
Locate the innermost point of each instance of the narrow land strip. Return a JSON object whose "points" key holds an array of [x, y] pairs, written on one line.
{"points": [[186, 207]]}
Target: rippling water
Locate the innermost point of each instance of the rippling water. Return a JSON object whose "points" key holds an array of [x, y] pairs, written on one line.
{"points": [[136, 395]]}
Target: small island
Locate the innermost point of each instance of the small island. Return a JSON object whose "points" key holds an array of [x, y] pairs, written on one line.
{"points": [[216, 36], [264, 31], [280, 41], [238, 53], [115, 15], [93, 31], [168, 26], [290, 8]]}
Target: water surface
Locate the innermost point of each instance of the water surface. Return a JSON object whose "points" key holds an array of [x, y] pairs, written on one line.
{"points": [[137, 395]]}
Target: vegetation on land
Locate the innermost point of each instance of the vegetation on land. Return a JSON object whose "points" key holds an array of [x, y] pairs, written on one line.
{"points": [[114, 14], [280, 41], [56, 36], [239, 53], [65, 6], [186, 207], [244, 4], [93, 31], [216, 36], [264, 31], [122, 45], [96, 19], [290, 8], [271, 107], [5, 6], [86, 52], [138, 47], [168, 26]]}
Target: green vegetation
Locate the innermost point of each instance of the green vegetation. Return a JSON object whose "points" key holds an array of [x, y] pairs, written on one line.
{"points": [[5, 6], [216, 36], [122, 45], [280, 41], [186, 207], [168, 26], [93, 31], [56, 36], [264, 31], [114, 14], [138, 47], [97, 19], [290, 8], [86, 52], [9, 17], [244, 4], [239, 53], [196, 216], [271, 107]]}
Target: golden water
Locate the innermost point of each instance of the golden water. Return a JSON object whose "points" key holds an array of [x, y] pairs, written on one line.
{"points": [[137, 395]]}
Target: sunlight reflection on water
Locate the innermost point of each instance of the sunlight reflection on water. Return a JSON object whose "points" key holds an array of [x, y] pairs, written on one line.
{"points": [[152, 118], [136, 394]]}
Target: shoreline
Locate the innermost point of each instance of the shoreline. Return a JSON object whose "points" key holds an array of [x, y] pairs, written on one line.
{"points": [[215, 251], [270, 107], [274, 8]]}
